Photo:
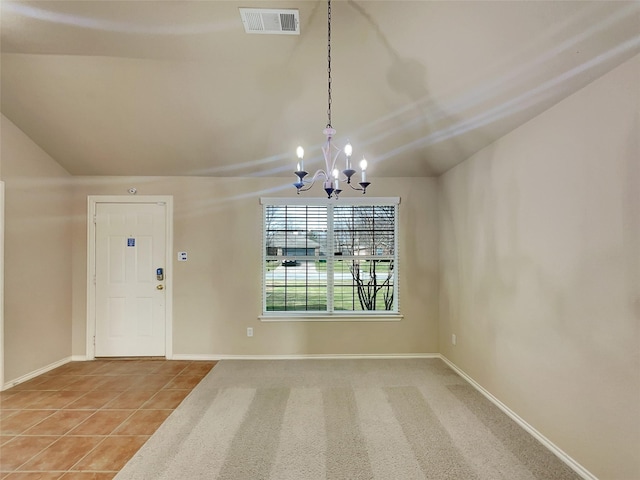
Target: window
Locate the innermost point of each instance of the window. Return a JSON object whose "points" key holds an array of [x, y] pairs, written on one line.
{"points": [[330, 258]]}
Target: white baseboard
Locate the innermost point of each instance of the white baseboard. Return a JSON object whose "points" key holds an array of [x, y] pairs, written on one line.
{"points": [[79, 358], [216, 357], [557, 451], [36, 373]]}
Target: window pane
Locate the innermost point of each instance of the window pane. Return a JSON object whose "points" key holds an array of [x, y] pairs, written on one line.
{"points": [[345, 293], [364, 230], [298, 286], [295, 230], [363, 284]]}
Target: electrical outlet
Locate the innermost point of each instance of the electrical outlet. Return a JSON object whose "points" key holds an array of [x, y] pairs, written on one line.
{"points": [[454, 339], [249, 332]]}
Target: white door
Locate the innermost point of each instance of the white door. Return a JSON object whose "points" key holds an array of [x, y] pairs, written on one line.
{"points": [[130, 295]]}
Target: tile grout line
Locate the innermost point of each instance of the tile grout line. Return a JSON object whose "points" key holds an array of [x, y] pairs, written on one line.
{"points": [[58, 437], [155, 392], [71, 470], [111, 434]]}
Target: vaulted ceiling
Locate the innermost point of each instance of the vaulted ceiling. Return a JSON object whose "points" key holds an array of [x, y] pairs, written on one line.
{"points": [[178, 87]]}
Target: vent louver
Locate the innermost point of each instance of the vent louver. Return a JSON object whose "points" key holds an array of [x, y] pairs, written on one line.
{"points": [[270, 21]]}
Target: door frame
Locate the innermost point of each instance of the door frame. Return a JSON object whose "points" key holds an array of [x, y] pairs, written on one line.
{"points": [[92, 202], [1, 285]]}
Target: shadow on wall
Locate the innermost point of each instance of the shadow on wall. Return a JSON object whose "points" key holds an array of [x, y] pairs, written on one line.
{"points": [[538, 295], [408, 77]]}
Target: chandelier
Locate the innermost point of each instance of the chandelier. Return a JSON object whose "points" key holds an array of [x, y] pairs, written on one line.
{"points": [[330, 174]]}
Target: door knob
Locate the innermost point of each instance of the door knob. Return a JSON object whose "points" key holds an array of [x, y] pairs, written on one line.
{"points": [[159, 287]]}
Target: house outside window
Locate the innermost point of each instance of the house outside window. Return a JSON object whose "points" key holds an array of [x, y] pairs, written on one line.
{"points": [[325, 258]]}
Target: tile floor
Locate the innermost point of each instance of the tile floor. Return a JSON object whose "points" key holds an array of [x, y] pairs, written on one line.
{"points": [[85, 420]]}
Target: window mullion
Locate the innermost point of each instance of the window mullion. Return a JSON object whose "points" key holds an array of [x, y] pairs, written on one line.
{"points": [[330, 258]]}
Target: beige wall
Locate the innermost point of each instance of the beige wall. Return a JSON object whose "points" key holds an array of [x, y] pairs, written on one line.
{"points": [[539, 249], [540, 272], [217, 293], [37, 266]]}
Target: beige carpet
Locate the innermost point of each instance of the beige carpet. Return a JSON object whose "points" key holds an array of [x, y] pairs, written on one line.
{"points": [[340, 420]]}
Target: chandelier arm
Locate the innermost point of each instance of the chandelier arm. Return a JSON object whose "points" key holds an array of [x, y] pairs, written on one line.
{"points": [[319, 174], [335, 159], [309, 183], [302, 189], [363, 186], [326, 152]]}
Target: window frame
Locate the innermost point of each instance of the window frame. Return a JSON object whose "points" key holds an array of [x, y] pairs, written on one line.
{"points": [[330, 315]]}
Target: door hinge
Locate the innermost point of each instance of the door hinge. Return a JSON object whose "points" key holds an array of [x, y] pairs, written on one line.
{"points": [[95, 219], [94, 279], [94, 340]]}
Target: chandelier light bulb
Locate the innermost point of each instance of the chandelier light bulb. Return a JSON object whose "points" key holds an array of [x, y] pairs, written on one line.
{"points": [[348, 149], [363, 166], [336, 173], [300, 153]]}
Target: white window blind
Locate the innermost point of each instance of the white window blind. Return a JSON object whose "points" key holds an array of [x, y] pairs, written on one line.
{"points": [[330, 258]]}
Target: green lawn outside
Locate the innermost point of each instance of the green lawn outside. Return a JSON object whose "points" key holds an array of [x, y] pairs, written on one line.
{"points": [[309, 296], [313, 298]]}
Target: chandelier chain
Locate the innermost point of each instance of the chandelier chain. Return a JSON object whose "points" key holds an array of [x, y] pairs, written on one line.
{"points": [[329, 62]]}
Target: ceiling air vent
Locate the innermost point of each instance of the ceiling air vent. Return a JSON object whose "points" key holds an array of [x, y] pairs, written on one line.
{"points": [[271, 21]]}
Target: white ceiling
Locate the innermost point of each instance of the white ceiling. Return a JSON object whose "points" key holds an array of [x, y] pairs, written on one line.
{"points": [[178, 87]]}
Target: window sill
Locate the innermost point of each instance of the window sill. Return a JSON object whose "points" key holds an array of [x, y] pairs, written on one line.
{"points": [[298, 317]]}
